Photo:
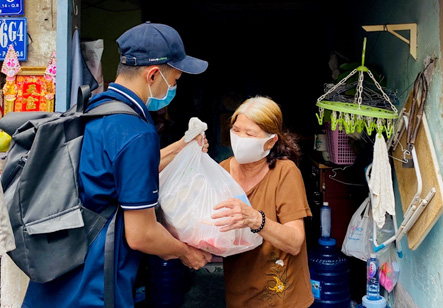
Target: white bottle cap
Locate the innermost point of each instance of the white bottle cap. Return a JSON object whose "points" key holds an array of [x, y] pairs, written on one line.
{"points": [[326, 203], [373, 255]]}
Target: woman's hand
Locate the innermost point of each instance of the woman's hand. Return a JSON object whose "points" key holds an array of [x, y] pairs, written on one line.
{"points": [[236, 215]]}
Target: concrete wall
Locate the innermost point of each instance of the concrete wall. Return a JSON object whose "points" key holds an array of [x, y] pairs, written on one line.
{"points": [[42, 26], [422, 269], [13, 284], [42, 30]]}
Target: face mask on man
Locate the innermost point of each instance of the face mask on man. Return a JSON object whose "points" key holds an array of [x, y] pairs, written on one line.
{"points": [[155, 104], [249, 150]]}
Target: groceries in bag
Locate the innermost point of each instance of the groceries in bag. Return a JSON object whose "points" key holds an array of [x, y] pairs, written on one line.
{"points": [[190, 186]]}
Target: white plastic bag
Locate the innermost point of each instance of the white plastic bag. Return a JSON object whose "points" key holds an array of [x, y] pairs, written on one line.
{"points": [[389, 268], [358, 239], [190, 186]]}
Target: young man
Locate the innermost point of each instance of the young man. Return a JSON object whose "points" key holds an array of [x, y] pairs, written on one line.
{"points": [[119, 165]]}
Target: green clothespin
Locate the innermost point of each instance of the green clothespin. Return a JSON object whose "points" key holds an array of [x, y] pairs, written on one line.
{"points": [[379, 131], [370, 125], [353, 123], [320, 116], [389, 128], [349, 123], [360, 124], [389, 131], [333, 121], [379, 127]]}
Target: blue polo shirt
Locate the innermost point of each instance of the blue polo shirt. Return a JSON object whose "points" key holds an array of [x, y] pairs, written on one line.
{"points": [[118, 165]]}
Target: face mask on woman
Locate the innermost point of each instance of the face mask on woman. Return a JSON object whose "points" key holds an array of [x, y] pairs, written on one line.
{"points": [[155, 104], [249, 150]]}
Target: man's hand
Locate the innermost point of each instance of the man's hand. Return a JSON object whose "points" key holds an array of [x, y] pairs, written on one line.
{"points": [[168, 153], [145, 234], [201, 139], [195, 258]]}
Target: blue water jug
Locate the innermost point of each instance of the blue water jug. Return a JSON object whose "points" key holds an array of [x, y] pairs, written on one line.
{"points": [[329, 272]]}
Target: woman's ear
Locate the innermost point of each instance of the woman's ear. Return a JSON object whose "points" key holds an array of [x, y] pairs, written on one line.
{"points": [[271, 142]]}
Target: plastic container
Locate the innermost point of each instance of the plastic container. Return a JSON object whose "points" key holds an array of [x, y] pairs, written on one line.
{"points": [[325, 220], [329, 271], [372, 278], [167, 283], [340, 152]]}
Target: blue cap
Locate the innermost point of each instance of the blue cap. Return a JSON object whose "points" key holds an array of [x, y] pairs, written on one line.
{"points": [[153, 44]]}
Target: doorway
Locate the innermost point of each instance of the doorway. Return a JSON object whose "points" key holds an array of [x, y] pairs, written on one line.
{"points": [[276, 49]]}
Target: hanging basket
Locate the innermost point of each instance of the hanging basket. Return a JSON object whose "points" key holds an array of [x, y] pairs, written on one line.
{"points": [[339, 150]]}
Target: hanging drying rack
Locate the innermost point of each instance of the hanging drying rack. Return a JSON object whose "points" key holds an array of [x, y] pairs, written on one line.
{"points": [[356, 116]]}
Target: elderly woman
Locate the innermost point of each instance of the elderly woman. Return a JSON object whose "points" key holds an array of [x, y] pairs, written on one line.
{"points": [[276, 273]]}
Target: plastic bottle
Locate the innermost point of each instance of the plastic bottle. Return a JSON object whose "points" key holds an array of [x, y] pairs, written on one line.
{"points": [[325, 220], [372, 285]]}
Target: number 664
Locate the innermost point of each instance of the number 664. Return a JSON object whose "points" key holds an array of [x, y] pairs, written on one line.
{"points": [[9, 32]]}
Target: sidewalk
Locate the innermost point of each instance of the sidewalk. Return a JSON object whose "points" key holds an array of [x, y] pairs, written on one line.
{"points": [[207, 290]]}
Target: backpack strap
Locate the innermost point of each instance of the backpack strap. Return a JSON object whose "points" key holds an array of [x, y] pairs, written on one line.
{"points": [[84, 93], [109, 267], [109, 108]]}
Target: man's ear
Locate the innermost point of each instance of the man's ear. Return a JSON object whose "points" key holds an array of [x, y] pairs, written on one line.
{"points": [[150, 72]]}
